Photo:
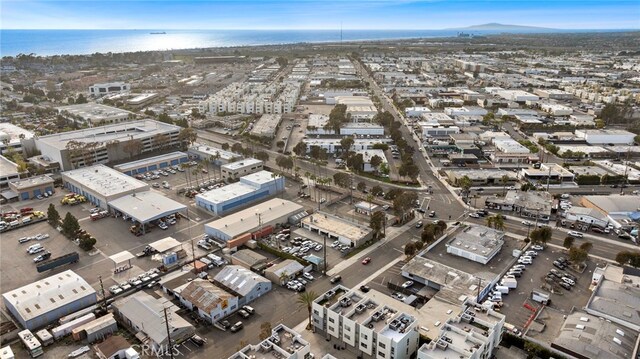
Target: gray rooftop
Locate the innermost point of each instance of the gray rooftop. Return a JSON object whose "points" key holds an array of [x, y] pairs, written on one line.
{"points": [[239, 279], [618, 300], [32, 182], [147, 206], [94, 112], [44, 296], [479, 239], [613, 203], [122, 132], [104, 180], [137, 164], [241, 164], [7, 167]]}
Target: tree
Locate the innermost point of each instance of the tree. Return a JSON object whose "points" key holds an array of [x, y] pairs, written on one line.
{"points": [[356, 162], [262, 156], [568, 242], [376, 223], [318, 153], [87, 243], [237, 148], [441, 226], [628, 258], [133, 147], [225, 146], [427, 236], [504, 179], [393, 193], [300, 149], [409, 249], [265, 330], [409, 169], [361, 186], [280, 144], [346, 143], [419, 245], [53, 217], [541, 235], [403, 203], [612, 113], [577, 255], [465, 183], [188, 135], [81, 99], [306, 299], [160, 141], [70, 225], [375, 161], [586, 246], [376, 190]]}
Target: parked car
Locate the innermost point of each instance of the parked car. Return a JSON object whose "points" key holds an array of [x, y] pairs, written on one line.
{"points": [[398, 296], [364, 289], [237, 327], [474, 215], [335, 279], [407, 284], [568, 281], [197, 340], [565, 285], [432, 214], [308, 276], [537, 247], [576, 234], [42, 257], [243, 313], [559, 264], [419, 224]]}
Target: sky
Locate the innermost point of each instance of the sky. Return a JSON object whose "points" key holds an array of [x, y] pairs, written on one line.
{"points": [[314, 14]]}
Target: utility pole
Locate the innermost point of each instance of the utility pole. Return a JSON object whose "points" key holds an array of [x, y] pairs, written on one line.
{"points": [[166, 322], [548, 178], [324, 266], [104, 297], [626, 168]]}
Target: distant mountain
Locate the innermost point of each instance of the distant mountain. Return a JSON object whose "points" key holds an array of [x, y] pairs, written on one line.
{"points": [[503, 27]]}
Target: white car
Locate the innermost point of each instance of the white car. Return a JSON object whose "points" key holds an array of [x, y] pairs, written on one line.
{"points": [[407, 284], [474, 215], [537, 247], [308, 276], [525, 260], [569, 281], [576, 234], [335, 244], [527, 223]]}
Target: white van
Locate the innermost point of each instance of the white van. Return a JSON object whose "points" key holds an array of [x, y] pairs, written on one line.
{"points": [[34, 247]]}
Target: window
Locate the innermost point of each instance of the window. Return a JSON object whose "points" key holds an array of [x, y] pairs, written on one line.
{"points": [[365, 336], [331, 320], [363, 345], [381, 345], [347, 337], [381, 354], [315, 311], [331, 328]]}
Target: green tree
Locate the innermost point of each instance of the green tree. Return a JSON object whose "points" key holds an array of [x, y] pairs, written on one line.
{"points": [[504, 179], [300, 149], [403, 203], [361, 186], [356, 162], [280, 144], [341, 179], [53, 217], [409, 249], [81, 99], [188, 135], [577, 255], [427, 236], [375, 161], [70, 225], [346, 143], [262, 156], [376, 223], [586, 246], [87, 243], [376, 190], [541, 235], [568, 242], [306, 299], [631, 258], [225, 146]]}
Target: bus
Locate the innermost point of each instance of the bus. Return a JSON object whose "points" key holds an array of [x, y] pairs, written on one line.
{"points": [[30, 342]]}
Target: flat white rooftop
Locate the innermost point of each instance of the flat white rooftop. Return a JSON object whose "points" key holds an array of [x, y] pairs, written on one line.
{"points": [[214, 151], [147, 206], [337, 226], [155, 159], [7, 167], [94, 111], [242, 164], [11, 132], [32, 182], [104, 180]]}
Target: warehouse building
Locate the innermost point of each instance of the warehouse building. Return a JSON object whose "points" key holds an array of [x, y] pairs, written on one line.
{"points": [[284, 271], [336, 228], [32, 187], [606, 136], [43, 302], [153, 163], [216, 155], [108, 88], [96, 114], [8, 172], [13, 137], [266, 126], [235, 170], [332, 145], [251, 219], [477, 243], [101, 184], [112, 143], [250, 189], [211, 302], [145, 207], [245, 284]]}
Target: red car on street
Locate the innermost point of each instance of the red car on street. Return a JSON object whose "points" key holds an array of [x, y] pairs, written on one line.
{"points": [[366, 260]]}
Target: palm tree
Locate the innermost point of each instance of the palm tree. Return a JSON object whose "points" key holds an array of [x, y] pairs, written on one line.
{"points": [[490, 221], [185, 168], [504, 179], [284, 276], [306, 299]]}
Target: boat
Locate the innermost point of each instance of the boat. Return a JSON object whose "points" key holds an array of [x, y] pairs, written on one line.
{"points": [[158, 33]]}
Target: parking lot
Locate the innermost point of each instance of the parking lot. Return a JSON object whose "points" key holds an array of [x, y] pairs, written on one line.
{"points": [[532, 279]]}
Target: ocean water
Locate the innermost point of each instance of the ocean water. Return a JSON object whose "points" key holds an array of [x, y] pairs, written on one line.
{"points": [[79, 42]]}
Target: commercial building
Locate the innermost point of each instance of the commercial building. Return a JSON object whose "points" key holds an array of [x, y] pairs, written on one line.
{"points": [[153, 163], [415, 112], [526, 204], [208, 300], [248, 258], [96, 114], [616, 296], [364, 129], [553, 94], [213, 154], [480, 177], [335, 228], [235, 170], [12, 136], [517, 95], [552, 172], [43, 302], [473, 334], [106, 144], [243, 283], [606, 136], [8, 172], [284, 271], [250, 189], [266, 126], [369, 324], [430, 130], [465, 111], [261, 215], [590, 216], [361, 108], [618, 208], [115, 347], [283, 343], [145, 207], [477, 243], [586, 336], [109, 88], [556, 109], [367, 208], [101, 184], [368, 155], [144, 315], [332, 145], [509, 152], [32, 187], [141, 100]]}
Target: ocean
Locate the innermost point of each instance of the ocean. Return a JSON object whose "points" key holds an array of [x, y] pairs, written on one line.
{"points": [[80, 42]]}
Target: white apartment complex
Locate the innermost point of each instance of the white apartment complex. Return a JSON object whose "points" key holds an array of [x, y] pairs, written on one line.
{"points": [[254, 98]]}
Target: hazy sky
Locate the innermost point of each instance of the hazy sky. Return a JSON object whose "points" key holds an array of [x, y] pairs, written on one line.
{"points": [[313, 14]]}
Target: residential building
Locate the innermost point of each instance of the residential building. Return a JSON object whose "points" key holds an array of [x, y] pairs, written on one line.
{"points": [[249, 189], [145, 316], [245, 284], [284, 343], [43, 302], [235, 170], [477, 243], [335, 228], [106, 144], [95, 114], [109, 88], [208, 300]]}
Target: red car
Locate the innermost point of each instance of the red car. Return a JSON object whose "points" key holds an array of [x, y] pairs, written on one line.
{"points": [[366, 260]]}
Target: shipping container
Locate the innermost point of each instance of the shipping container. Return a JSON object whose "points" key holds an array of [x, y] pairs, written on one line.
{"points": [[72, 257], [239, 240], [266, 231], [66, 329]]}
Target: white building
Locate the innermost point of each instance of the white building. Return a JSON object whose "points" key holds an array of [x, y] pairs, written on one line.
{"points": [[556, 109], [477, 243], [333, 144], [315, 127], [251, 188], [12, 136], [553, 94], [267, 125], [509, 151], [283, 343], [517, 95], [109, 88], [235, 170], [416, 111], [430, 129], [599, 137], [465, 111], [96, 114], [214, 154], [244, 283], [367, 324], [45, 301], [211, 302], [335, 228], [368, 155], [101, 184]]}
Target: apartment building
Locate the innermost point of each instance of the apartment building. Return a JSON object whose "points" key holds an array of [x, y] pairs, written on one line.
{"points": [[254, 98], [283, 343], [369, 325]]}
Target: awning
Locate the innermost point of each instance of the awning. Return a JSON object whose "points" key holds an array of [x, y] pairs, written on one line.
{"points": [[9, 194], [148, 206], [121, 257], [164, 244]]}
